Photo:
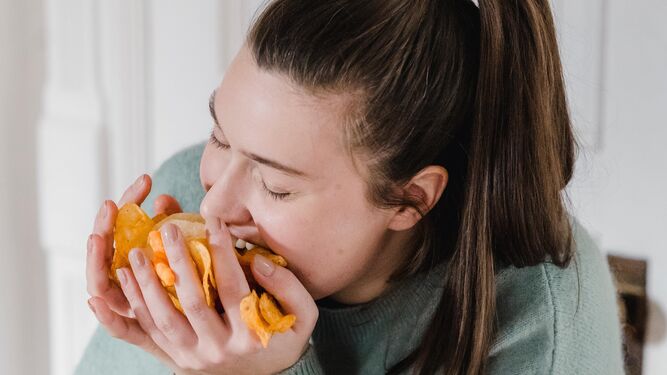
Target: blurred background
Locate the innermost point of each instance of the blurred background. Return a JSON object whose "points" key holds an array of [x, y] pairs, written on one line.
{"points": [[93, 93]]}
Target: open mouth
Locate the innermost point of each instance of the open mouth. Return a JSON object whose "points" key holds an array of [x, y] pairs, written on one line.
{"points": [[243, 246]]}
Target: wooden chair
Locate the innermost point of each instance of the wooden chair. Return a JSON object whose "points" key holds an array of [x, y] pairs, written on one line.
{"points": [[630, 280]]}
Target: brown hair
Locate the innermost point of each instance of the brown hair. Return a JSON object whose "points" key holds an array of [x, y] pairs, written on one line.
{"points": [[477, 90]]}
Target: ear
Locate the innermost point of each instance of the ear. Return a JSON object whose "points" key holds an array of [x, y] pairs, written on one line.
{"points": [[427, 185]]}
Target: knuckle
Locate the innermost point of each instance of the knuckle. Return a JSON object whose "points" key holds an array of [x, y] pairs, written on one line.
{"points": [[231, 286], [216, 358], [177, 256], [92, 291], [254, 346], [118, 333], [166, 325], [198, 365], [181, 363], [195, 308], [250, 344]]}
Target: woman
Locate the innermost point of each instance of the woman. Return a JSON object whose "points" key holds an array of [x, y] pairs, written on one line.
{"points": [[408, 160]]}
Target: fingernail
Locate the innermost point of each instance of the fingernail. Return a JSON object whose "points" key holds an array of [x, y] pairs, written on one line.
{"points": [[169, 233], [120, 274], [89, 244], [105, 209], [139, 181], [137, 257], [90, 305], [263, 265]]}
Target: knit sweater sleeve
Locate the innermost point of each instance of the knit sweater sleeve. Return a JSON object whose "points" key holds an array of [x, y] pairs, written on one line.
{"points": [[179, 177], [553, 320], [308, 364]]}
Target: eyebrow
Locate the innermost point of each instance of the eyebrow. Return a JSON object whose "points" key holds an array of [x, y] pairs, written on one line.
{"points": [[260, 159]]}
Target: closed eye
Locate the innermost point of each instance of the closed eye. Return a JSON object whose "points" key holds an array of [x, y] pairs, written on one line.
{"points": [[213, 140]]}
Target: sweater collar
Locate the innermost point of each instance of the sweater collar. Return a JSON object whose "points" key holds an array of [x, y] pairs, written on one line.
{"points": [[403, 304]]}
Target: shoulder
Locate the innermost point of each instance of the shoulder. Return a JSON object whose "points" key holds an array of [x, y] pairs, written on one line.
{"points": [[107, 355], [179, 176], [558, 320]]}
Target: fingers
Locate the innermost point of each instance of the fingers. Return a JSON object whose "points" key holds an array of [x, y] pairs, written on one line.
{"points": [[229, 276], [166, 204], [103, 226], [133, 292], [137, 192], [173, 325], [97, 280], [288, 290], [204, 319], [125, 329], [98, 261]]}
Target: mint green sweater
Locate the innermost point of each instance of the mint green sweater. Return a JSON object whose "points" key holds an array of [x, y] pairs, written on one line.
{"points": [[550, 320]]}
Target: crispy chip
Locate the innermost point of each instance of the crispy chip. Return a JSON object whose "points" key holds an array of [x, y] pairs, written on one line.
{"points": [[159, 217], [278, 322], [270, 311], [133, 228], [246, 258], [253, 319], [165, 274], [191, 225], [159, 259], [130, 231], [202, 259]]}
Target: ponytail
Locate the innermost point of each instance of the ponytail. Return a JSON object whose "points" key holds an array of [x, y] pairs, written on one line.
{"points": [[521, 155]]}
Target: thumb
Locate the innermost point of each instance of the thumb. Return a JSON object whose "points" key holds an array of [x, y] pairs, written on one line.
{"points": [[288, 290]]}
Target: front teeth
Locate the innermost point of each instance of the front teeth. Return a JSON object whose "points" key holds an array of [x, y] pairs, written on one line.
{"points": [[240, 244]]}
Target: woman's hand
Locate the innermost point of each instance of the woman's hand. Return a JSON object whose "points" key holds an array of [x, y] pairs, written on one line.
{"points": [[100, 244], [201, 341]]}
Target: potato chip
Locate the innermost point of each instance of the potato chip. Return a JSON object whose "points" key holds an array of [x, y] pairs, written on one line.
{"points": [[253, 319], [133, 228], [159, 217], [165, 274], [202, 259], [278, 322], [130, 230], [246, 258], [191, 225], [159, 259]]}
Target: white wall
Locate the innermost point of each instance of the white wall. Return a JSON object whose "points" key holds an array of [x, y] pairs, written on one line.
{"points": [[23, 298], [621, 182], [127, 85]]}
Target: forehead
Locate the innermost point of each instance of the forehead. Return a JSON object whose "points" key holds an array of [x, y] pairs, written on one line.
{"points": [[264, 113]]}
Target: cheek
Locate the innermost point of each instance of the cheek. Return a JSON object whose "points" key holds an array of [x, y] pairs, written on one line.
{"points": [[326, 245]]}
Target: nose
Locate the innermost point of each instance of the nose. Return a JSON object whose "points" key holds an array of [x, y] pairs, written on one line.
{"points": [[226, 198]]}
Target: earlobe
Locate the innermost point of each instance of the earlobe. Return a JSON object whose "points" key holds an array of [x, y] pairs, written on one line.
{"points": [[427, 187]]}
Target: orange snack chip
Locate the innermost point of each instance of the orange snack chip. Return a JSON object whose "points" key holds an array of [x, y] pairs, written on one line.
{"points": [[130, 231], [253, 318], [134, 228], [278, 322]]}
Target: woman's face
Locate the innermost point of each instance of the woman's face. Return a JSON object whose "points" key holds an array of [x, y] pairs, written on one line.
{"points": [[316, 215]]}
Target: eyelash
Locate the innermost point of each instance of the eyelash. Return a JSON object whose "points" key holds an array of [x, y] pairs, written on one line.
{"points": [[216, 142], [222, 146]]}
